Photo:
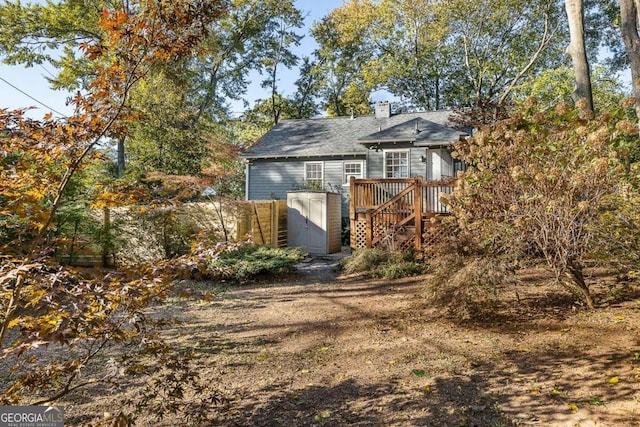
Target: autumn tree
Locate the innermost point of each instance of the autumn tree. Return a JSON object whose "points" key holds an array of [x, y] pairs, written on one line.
{"points": [[278, 54], [246, 39], [45, 305], [536, 184], [344, 49], [441, 54], [184, 99], [164, 137], [557, 85]]}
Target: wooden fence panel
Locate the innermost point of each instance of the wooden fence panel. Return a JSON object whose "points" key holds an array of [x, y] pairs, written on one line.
{"points": [[265, 222], [140, 238]]}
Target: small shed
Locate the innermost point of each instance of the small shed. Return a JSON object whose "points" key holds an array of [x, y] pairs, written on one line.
{"points": [[314, 220]]}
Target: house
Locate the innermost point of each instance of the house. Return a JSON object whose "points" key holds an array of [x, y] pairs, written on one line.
{"points": [[324, 153]]}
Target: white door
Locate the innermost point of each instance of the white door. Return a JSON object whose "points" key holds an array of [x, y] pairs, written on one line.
{"points": [[435, 164]]}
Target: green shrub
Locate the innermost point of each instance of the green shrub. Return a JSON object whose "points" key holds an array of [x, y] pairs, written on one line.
{"points": [[364, 260], [251, 261], [393, 269], [383, 264]]}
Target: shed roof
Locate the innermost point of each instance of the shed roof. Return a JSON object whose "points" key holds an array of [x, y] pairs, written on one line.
{"points": [[351, 136]]}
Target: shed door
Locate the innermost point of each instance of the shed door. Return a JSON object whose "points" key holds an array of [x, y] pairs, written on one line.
{"points": [[297, 219], [316, 233], [306, 218]]}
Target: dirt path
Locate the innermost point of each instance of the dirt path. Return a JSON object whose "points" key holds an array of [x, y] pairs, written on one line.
{"points": [[321, 350], [317, 349]]}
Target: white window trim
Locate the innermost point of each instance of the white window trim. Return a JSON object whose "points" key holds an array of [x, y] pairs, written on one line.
{"points": [[306, 180], [399, 150], [344, 172]]}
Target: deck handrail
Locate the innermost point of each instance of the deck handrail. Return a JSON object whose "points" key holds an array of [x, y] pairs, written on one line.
{"points": [[390, 204]]}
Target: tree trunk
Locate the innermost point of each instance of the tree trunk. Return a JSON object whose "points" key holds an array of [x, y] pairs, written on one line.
{"points": [[577, 277], [121, 156], [577, 51], [629, 27]]}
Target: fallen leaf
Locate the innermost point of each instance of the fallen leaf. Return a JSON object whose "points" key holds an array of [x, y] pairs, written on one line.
{"points": [[420, 373], [614, 380], [322, 416], [573, 407]]}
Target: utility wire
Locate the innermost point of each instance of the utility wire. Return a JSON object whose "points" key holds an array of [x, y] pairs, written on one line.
{"points": [[46, 70], [32, 98]]}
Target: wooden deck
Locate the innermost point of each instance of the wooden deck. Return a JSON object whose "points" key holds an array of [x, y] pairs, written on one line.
{"points": [[396, 214]]}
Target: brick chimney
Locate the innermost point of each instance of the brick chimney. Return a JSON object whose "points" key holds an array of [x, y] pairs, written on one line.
{"points": [[383, 110]]}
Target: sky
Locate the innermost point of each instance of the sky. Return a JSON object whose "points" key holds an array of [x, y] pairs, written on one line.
{"points": [[22, 87]]}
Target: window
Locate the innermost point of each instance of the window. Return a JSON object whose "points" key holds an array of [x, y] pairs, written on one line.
{"points": [[352, 169], [396, 164], [313, 172], [458, 165]]}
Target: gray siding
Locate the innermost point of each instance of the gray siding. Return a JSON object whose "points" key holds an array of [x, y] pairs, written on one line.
{"points": [[333, 174], [271, 179], [375, 164], [417, 167]]}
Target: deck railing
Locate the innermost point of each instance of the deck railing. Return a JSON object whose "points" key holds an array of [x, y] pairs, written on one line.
{"points": [[371, 193], [391, 207]]}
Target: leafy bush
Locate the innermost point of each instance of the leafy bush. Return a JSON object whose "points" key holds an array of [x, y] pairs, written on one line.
{"points": [[536, 183], [617, 232], [251, 261], [383, 264]]}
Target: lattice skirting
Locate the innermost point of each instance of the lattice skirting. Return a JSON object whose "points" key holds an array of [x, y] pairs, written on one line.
{"points": [[359, 235], [434, 233]]}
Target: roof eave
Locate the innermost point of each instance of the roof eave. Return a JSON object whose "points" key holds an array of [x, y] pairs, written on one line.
{"points": [[385, 141], [298, 156]]}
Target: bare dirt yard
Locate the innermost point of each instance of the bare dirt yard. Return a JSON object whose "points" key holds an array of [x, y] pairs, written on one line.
{"points": [[322, 349]]}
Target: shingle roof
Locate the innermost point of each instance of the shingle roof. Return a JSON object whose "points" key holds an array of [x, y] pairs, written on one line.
{"points": [[347, 136], [418, 130]]}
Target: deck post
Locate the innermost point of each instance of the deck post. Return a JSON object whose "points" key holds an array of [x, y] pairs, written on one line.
{"points": [[418, 214], [352, 213], [369, 220]]}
